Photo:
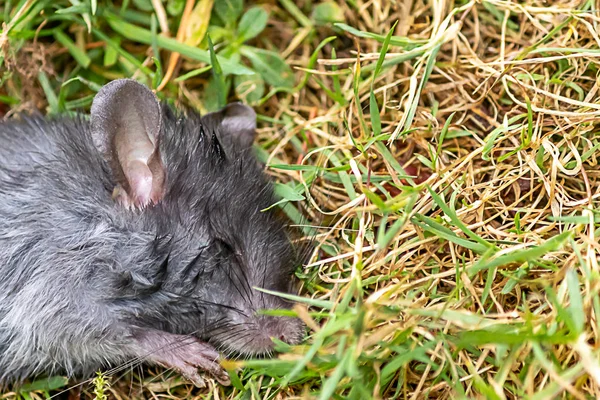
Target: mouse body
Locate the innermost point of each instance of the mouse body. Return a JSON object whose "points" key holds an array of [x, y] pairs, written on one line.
{"points": [[137, 235]]}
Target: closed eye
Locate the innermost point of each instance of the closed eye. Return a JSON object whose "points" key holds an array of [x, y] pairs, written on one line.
{"points": [[193, 271], [228, 251], [224, 246], [227, 248]]}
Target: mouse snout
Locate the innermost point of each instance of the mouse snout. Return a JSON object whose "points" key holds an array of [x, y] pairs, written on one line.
{"points": [[285, 329], [258, 341], [288, 330]]}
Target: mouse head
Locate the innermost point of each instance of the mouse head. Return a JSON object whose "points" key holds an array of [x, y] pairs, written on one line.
{"points": [[192, 185]]}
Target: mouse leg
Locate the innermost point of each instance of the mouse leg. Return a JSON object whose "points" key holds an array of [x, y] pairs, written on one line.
{"points": [[183, 353]]}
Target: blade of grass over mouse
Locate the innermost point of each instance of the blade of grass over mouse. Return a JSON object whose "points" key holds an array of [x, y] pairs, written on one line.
{"points": [[317, 303]]}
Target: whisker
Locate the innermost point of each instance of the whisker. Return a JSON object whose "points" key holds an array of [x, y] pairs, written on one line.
{"points": [[228, 273], [243, 280]]}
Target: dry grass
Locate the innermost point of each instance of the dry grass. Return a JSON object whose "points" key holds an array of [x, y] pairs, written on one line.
{"points": [[478, 277]]}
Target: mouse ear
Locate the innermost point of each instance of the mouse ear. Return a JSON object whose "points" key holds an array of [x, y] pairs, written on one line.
{"points": [[126, 122], [236, 126]]}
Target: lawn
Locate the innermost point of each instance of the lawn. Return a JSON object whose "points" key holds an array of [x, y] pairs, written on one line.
{"points": [[441, 155]]}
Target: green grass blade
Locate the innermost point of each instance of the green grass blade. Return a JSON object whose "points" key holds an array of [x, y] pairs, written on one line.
{"points": [[521, 255]]}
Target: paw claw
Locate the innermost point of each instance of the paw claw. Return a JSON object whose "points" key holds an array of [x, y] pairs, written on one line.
{"points": [[194, 377], [186, 355], [223, 379]]}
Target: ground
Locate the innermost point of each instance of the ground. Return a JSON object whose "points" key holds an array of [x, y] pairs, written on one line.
{"points": [[442, 155]]}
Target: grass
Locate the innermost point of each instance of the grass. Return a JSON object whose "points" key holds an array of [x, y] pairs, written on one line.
{"points": [[447, 153]]}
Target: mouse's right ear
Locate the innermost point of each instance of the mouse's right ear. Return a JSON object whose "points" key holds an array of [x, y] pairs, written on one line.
{"points": [[126, 126], [235, 126]]}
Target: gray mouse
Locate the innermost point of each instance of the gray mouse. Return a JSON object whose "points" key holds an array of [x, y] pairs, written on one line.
{"points": [[138, 235]]}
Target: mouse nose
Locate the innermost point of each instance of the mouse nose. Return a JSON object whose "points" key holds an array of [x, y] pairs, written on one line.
{"points": [[264, 330], [288, 330]]}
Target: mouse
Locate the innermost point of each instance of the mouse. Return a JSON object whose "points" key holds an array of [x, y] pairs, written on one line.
{"points": [[138, 234]]}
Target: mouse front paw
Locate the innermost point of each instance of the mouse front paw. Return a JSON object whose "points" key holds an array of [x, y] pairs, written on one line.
{"points": [[199, 355], [185, 354]]}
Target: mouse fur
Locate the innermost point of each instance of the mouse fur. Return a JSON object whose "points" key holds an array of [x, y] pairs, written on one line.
{"points": [[88, 283]]}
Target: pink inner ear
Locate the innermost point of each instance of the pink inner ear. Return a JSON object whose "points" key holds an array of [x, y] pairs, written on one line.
{"points": [[134, 150], [140, 179], [126, 126]]}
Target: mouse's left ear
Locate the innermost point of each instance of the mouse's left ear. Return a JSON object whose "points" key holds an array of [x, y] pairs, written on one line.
{"points": [[236, 126], [126, 126]]}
